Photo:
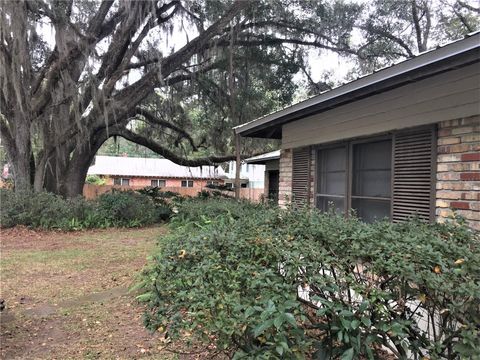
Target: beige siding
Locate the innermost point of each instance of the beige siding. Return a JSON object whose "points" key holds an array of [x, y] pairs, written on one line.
{"points": [[443, 97]]}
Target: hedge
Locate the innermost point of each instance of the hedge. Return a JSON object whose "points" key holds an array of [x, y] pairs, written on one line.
{"points": [[261, 282], [50, 211]]}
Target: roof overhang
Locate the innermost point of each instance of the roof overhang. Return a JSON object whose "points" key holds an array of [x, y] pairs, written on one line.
{"points": [[443, 59], [263, 158]]}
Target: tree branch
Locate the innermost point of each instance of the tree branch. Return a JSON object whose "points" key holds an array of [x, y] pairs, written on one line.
{"points": [[153, 119], [141, 88], [380, 32], [163, 151]]}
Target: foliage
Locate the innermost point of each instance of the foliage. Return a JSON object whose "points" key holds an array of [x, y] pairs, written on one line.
{"points": [[95, 180], [268, 283], [163, 200], [50, 211], [112, 70]]}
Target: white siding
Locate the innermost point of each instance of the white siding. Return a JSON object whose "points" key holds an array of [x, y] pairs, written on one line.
{"points": [[451, 95]]}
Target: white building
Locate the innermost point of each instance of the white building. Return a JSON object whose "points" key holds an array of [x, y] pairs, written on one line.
{"points": [[251, 176]]}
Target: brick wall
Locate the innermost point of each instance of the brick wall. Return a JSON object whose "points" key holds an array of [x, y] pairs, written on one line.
{"points": [[198, 184], [458, 170], [285, 184], [313, 171]]}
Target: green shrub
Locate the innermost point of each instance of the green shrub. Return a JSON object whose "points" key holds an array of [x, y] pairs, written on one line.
{"points": [[126, 208], [263, 282], [95, 180], [163, 200], [49, 211]]}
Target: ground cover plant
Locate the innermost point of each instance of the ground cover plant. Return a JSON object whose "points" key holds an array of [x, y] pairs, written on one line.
{"points": [[260, 282], [50, 211]]}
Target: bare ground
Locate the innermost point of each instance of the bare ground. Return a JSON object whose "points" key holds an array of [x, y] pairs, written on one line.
{"points": [[67, 296]]}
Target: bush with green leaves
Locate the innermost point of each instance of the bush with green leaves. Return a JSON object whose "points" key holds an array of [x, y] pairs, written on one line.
{"points": [[164, 200], [262, 282], [95, 180], [50, 211]]}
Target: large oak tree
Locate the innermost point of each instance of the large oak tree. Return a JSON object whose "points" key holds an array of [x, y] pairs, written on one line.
{"points": [[74, 73]]}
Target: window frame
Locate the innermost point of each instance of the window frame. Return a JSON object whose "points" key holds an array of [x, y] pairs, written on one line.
{"points": [[349, 145], [187, 182], [121, 181], [158, 183]]}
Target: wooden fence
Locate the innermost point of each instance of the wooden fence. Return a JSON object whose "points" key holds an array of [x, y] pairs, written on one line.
{"points": [[91, 191]]}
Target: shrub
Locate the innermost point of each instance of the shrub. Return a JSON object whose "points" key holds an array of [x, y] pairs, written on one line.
{"points": [[126, 208], [163, 200], [95, 180], [263, 282], [50, 211]]}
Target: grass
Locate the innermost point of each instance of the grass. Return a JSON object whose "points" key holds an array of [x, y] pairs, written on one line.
{"points": [[66, 294]]}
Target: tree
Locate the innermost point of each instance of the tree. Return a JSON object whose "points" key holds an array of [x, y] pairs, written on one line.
{"points": [[107, 74]]}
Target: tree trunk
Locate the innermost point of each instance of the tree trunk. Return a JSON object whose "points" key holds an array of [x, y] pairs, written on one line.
{"points": [[22, 156], [79, 163]]}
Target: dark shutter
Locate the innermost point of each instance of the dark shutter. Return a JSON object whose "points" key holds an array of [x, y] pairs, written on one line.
{"points": [[301, 175], [414, 156]]}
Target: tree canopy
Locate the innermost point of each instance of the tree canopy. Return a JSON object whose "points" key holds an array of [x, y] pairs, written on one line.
{"points": [[74, 73]]}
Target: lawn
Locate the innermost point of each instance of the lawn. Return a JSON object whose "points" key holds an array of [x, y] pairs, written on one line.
{"points": [[67, 296]]}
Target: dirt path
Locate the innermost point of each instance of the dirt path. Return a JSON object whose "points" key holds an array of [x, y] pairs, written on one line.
{"points": [[67, 295]]}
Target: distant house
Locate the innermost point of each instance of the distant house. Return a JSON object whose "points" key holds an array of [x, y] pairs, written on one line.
{"points": [[270, 162], [402, 141], [142, 172]]}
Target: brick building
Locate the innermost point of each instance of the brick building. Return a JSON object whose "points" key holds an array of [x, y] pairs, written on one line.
{"points": [[142, 172], [402, 141]]}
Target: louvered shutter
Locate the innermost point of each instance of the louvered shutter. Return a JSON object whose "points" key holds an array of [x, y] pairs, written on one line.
{"points": [[414, 155], [301, 175]]}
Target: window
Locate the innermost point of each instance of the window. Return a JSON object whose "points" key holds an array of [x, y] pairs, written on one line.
{"points": [[371, 180], [121, 181], [187, 183], [356, 175], [158, 183], [332, 178], [213, 183]]}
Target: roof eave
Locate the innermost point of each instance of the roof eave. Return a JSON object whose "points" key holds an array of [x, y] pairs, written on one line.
{"points": [[449, 57]]}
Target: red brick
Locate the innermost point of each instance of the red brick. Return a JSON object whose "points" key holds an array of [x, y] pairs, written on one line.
{"points": [[471, 157], [470, 176], [460, 205], [444, 132]]}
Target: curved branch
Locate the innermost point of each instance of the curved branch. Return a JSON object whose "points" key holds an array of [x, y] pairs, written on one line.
{"points": [[166, 153], [387, 35], [152, 119]]}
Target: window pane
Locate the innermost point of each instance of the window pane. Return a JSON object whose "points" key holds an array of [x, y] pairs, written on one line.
{"points": [[154, 183], [372, 169], [331, 171], [117, 181], [335, 159], [371, 210], [325, 203], [126, 182], [161, 183], [184, 183], [334, 183]]}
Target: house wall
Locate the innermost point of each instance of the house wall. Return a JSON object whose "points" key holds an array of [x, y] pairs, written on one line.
{"points": [[169, 182], [451, 95], [285, 183], [458, 170]]}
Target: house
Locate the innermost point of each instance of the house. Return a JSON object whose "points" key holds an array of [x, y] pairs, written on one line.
{"points": [[270, 163], [251, 176], [142, 172], [402, 141]]}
